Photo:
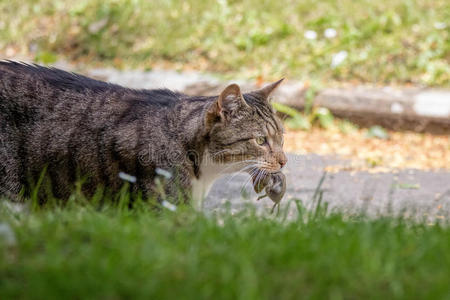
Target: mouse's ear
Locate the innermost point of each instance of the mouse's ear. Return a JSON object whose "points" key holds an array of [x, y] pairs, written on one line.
{"points": [[268, 89]]}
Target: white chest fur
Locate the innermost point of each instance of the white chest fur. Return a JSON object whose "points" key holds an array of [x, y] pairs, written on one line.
{"points": [[209, 172]]}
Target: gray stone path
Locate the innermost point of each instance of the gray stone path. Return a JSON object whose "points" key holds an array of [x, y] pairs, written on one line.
{"points": [[410, 192], [413, 108]]}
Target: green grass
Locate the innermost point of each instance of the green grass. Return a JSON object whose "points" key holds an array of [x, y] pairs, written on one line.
{"points": [[387, 41], [85, 252]]}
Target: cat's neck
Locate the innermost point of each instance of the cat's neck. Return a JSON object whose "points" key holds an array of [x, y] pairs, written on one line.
{"points": [[189, 120], [187, 125], [188, 117]]}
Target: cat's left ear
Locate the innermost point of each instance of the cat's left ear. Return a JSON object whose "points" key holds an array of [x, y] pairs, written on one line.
{"points": [[229, 102], [268, 89]]}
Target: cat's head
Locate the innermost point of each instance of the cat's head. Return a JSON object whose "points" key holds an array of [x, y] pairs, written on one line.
{"points": [[244, 131]]}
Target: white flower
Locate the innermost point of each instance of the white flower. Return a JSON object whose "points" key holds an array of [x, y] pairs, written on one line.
{"points": [[330, 33], [127, 177], [163, 173], [310, 35], [439, 25], [169, 205], [338, 58], [7, 235]]}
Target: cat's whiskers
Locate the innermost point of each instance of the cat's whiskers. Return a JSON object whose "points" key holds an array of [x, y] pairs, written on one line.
{"points": [[245, 183], [236, 163], [260, 173], [258, 164], [253, 168], [255, 171]]}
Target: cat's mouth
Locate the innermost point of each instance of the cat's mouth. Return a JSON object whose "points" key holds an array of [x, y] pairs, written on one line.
{"points": [[268, 168]]}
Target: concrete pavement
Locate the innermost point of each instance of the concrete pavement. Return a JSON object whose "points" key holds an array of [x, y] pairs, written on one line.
{"points": [[422, 194]]}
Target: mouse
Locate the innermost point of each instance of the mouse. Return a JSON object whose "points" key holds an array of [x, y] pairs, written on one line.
{"points": [[275, 187]]}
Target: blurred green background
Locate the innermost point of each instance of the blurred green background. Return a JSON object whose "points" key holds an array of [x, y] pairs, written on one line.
{"points": [[385, 41]]}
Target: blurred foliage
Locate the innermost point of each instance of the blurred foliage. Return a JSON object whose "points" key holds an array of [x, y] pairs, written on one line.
{"points": [[408, 186], [397, 41], [377, 132], [324, 117], [295, 119], [46, 57], [320, 116], [347, 127]]}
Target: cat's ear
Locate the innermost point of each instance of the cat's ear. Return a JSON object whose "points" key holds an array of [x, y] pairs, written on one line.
{"points": [[228, 102], [268, 89], [231, 99]]}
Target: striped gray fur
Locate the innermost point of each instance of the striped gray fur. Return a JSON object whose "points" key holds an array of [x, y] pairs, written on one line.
{"points": [[77, 128]]}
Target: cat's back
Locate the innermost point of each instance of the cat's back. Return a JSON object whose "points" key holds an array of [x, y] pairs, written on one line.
{"points": [[41, 88], [26, 80]]}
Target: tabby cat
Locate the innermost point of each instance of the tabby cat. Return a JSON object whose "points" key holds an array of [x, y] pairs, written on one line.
{"points": [[75, 127]]}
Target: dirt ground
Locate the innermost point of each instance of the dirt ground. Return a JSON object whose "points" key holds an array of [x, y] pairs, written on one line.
{"points": [[401, 150]]}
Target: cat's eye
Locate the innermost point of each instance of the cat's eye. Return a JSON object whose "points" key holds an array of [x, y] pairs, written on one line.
{"points": [[261, 140]]}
